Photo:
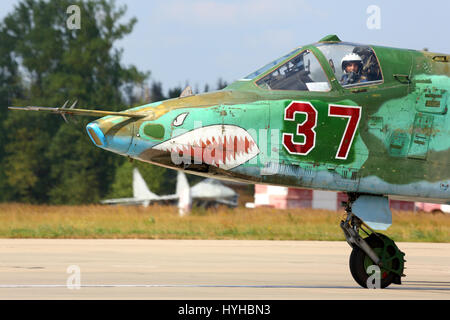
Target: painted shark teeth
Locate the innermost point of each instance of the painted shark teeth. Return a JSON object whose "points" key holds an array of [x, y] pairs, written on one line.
{"points": [[223, 146]]}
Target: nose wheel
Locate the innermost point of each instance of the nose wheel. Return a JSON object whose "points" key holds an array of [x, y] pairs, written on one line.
{"points": [[390, 267], [375, 261]]}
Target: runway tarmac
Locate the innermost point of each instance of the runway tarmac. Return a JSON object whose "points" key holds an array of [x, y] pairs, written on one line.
{"points": [[206, 269]]}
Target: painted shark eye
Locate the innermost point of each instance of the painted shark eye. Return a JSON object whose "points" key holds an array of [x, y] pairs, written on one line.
{"points": [[179, 120]]}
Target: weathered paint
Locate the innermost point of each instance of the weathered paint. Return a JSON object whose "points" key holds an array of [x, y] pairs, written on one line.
{"points": [[400, 147]]}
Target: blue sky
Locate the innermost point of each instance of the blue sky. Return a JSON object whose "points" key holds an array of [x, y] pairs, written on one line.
{"points": [[199, 40]]}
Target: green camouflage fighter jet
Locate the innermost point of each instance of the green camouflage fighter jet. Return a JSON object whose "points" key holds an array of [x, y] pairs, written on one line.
{"points": [[368, 120]]}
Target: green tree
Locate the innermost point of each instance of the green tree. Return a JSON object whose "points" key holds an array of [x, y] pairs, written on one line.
{"points": [[175, 92], [156, 92], [46, 159], [10, 88], [221, 84], [159, 180]]}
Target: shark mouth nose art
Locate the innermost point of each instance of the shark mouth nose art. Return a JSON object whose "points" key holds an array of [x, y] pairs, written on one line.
{"points": [[223, 146]]}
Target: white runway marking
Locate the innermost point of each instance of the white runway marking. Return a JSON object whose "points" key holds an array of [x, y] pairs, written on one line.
{"points": [[207, 269], [432, 286], [4, 286]]}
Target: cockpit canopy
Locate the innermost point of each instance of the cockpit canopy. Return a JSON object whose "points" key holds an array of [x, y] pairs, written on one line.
{"points": [[352, 65], [303, 72], [338, 53], [268, 66]]}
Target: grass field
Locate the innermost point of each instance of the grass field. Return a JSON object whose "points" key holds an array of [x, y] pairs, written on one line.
{"points": [[160, 222]]}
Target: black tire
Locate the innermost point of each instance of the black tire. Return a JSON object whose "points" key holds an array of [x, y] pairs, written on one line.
{"points": [[357, 268]]}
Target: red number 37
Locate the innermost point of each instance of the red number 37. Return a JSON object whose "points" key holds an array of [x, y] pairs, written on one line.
{"points": [[307, 127]]}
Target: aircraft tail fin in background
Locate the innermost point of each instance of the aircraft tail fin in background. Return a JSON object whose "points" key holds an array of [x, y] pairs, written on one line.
{"points": [[140, 188], [184, 194], [141, 194]]}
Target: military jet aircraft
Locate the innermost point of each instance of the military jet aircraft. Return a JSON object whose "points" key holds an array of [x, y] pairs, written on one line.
{"points": [[368, 120]]}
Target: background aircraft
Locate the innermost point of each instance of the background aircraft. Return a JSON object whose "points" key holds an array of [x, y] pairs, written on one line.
{"points": [[142, 194], [211, 193], [206, 193], [367, 120]]}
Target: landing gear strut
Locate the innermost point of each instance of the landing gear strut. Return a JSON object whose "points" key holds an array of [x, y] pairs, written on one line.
{"points": [[375, 249]]}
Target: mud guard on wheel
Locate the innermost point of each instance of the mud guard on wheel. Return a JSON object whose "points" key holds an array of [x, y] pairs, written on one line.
{"points": [[374, 211]]}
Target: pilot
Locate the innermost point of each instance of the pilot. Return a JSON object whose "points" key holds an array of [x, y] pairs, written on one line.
{"points": [[352, 67]]}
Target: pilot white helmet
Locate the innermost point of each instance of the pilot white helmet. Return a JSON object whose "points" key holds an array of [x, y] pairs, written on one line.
{"points": [[351, 57]]}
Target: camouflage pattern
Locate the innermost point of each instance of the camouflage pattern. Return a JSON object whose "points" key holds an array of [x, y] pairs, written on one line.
{"points": [[401, 146]]}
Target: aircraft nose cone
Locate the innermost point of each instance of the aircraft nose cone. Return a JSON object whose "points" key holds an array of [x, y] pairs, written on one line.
{"points": [[114, 137], [96, 134]]}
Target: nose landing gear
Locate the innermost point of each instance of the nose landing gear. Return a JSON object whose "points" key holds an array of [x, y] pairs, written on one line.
{"points": [[375, 249]]}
